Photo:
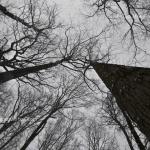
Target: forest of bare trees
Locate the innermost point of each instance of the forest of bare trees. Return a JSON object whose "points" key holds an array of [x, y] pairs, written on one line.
{"points": [[50, 96]]}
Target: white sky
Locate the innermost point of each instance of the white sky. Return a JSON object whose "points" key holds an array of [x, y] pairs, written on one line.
{"points": [[69, 9]]}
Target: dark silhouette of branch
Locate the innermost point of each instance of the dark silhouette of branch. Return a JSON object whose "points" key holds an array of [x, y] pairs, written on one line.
{"points": [[9, 75], [16, 18]]}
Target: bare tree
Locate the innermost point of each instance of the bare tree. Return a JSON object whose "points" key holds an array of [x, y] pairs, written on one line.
{"points": [[130, 16], [28, 115], [97, 138], [60, 136], [36, 49], [36, 42]]}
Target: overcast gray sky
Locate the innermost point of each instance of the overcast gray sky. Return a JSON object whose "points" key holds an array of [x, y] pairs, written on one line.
{"points": [[72, 12]]}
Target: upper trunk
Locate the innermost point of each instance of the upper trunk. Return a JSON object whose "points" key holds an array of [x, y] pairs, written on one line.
{"points": [[131, 88], [9, 75]]}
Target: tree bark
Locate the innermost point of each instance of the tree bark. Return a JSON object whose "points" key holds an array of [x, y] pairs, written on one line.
{"points": [[131, 88]]}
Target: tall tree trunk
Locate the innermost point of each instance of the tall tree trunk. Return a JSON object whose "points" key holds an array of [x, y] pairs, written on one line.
{"points": [[131, 88]]}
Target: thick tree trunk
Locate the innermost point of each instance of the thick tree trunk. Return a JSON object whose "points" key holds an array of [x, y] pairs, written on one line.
{"points": [[131, 88]]}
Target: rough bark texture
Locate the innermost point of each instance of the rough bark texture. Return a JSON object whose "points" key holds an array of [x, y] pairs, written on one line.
{"points": [[131, 88]]}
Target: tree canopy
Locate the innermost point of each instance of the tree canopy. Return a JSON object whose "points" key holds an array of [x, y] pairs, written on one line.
{"points": [[50, 96]]}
